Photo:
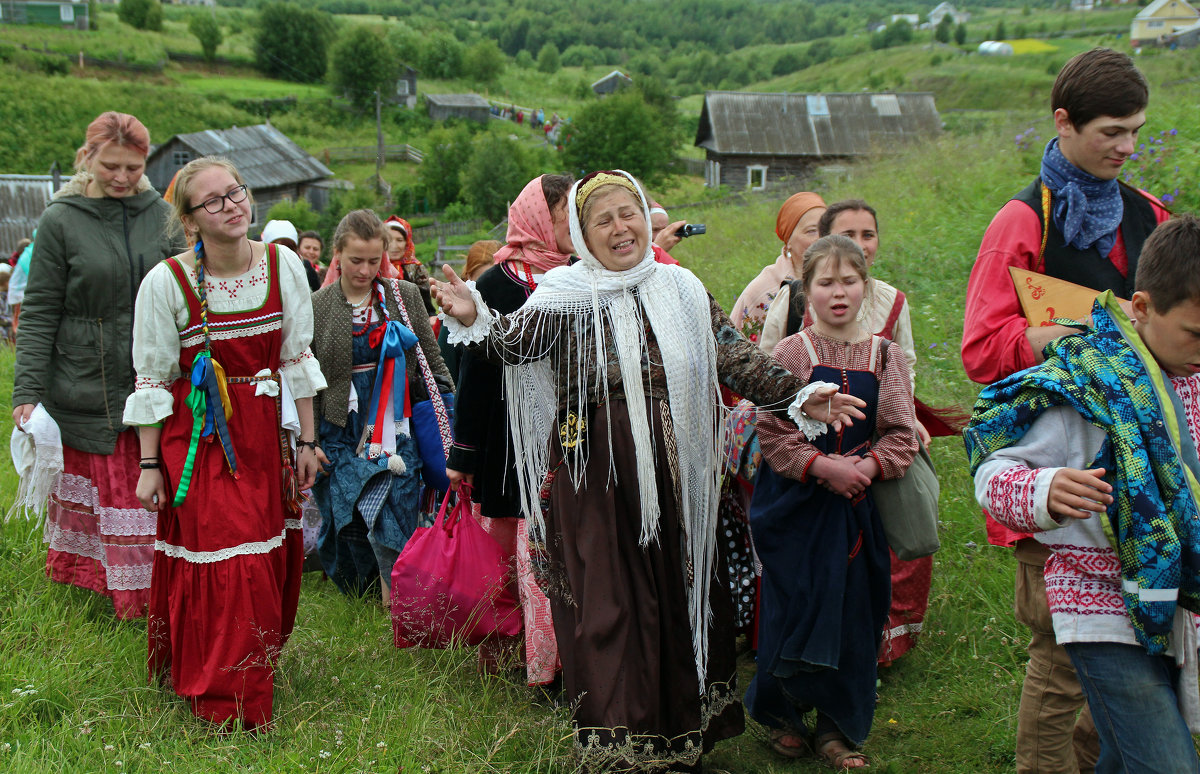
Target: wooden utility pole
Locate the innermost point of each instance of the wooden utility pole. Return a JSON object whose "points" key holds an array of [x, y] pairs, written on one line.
{"points": [[379, 156]]}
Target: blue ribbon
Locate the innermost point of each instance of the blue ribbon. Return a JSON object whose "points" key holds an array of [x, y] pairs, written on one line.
{"points": [[395, 340], [204, 378]]}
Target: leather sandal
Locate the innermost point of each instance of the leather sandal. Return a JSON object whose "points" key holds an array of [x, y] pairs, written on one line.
{"points": [[832, 748], [800, 746]]}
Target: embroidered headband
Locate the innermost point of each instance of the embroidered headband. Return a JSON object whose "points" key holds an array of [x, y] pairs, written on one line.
{"points": [[589, 184]]}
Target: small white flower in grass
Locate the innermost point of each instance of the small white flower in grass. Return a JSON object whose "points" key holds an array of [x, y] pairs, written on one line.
{"points": [[118, 763], [108, 748], [6, 747], [378, 687], [381, 745], [324, 754], [144, 745]]}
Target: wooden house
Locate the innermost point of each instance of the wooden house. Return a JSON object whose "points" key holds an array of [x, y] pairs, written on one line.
{"points": [[22, 200], [275, 168], [68, 14], [1160, 21], [406, 87], [946, 9], [754, 140], [469, 106], [614, 81]]}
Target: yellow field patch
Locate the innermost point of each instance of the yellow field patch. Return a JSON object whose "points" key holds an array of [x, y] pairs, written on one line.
{"points": [[1030, 46]]}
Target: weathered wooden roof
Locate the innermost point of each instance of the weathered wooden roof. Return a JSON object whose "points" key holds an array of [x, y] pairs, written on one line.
{"points": [[817, 125], [22, 200], [264, 156], [458, 101], [615, 75]]}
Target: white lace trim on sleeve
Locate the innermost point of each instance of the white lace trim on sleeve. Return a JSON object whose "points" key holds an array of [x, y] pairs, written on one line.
{"points": [[457, 333], [812, 428], [148, 406]]}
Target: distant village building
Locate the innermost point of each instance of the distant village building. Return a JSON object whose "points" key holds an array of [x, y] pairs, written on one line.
{"points": [[946, 9], [406, 88], [614, 81], [56, 13], [995, 48], [22, 200], [1083, 5], [275, 168], [1161, 21], [754, 140], [469, 106]]}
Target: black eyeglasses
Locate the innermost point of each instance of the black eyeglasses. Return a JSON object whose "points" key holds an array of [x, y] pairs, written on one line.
{"points": [[217, 203]]}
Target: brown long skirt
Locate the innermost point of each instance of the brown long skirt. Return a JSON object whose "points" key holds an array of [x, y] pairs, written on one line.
{"points": [[621, 613]]}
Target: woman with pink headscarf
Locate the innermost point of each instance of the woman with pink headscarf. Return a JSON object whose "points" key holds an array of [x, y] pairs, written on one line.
{"points": [[538, 240]]}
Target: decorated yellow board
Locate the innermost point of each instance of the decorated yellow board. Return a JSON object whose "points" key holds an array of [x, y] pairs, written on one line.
{"points": [[1044, 298]]}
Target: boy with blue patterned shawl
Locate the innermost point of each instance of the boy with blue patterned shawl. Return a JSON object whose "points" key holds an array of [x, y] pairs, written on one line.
{"points": [[1095, 450]]}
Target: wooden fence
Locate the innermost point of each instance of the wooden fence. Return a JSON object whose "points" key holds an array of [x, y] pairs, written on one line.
{"points": [[453, 228], [403, 152]]}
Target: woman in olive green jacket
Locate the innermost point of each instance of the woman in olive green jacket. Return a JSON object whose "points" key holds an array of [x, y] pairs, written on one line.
{"points": [[96, 240]]}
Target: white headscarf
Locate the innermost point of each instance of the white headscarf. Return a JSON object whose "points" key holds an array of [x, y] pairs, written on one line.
{"points": [[585, 304]]}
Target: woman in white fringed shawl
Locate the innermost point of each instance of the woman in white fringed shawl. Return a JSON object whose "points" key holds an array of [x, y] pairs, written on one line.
{"points": [[611, 381]]}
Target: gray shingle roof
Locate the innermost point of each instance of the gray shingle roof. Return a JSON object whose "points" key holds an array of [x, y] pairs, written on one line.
{"points": [[819, 125], [263, 154], [458, 100]]}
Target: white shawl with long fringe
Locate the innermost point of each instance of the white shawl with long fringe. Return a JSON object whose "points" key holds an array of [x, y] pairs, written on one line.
{"points": [[597, 311]]}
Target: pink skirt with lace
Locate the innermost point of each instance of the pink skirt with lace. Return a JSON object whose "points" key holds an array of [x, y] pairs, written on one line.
{"points": [[100, 537], [541, 647]]}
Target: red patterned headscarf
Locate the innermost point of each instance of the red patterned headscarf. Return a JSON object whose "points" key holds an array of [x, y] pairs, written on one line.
{"points": [[409, 256], [530, 235]]}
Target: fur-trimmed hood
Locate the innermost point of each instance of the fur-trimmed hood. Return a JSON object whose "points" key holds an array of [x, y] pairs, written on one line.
{"points": [[74, 193]]}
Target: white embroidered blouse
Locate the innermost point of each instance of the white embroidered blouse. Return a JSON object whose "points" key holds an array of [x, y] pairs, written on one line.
{"points": [[161, 313]]}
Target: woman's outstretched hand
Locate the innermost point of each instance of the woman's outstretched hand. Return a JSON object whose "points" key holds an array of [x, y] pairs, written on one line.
{"points": [[454, 297], [834, 408]]}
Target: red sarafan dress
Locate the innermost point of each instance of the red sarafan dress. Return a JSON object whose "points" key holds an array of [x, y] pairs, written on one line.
{"points": [[226, 578]]}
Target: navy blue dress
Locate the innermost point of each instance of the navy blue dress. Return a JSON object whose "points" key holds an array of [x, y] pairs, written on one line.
{"points": [[825, 587]]}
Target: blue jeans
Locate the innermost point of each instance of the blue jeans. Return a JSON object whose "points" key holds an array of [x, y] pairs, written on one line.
{"points": [[1134, 705]]}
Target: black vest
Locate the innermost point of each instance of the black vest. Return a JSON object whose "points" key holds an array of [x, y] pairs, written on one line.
{"points": [[1088, 267]]}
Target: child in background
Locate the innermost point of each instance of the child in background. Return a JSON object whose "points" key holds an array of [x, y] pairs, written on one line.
{"points": [[6, 329], [1095, 452]]}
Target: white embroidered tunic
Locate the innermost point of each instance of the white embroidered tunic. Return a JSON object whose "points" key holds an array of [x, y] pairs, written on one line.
{"points": [[162, 315]]}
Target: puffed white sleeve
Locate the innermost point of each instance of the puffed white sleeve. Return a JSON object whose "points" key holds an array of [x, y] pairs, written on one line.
{"points": [[299, 368], [160, 312]]}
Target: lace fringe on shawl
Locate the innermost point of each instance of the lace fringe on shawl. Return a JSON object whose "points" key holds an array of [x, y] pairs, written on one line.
{"points": [[573, 313]]}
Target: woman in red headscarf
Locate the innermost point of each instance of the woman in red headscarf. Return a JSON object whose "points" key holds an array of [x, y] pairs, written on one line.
{"points": [[538, 240], [401, 254]]}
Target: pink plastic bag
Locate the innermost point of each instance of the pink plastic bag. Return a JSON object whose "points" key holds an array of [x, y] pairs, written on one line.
{"points": [[451, 584]]}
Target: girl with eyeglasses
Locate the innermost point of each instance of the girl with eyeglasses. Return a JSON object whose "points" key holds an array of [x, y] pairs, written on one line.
{"points": [[97, 239], [224, 393]]}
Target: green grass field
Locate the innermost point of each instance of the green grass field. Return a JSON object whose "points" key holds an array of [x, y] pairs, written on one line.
{"points": [[347, 701]]}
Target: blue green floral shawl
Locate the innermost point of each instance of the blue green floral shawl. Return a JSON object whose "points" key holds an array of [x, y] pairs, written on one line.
{"points": [[1111, 379]]}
